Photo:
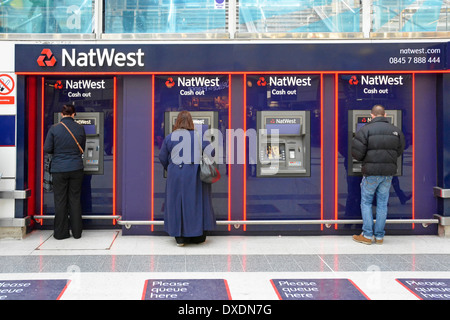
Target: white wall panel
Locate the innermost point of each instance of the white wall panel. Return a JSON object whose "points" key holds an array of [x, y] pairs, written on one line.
{"points": [[7, 56], [7, 208], [7, 168]]}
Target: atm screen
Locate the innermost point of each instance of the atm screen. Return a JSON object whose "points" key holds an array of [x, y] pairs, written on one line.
{"points": [[201, 125], [90, 129], [88, 124], [359, 126], [362, 121], [286, 126], [201, 128], [275, 152]]}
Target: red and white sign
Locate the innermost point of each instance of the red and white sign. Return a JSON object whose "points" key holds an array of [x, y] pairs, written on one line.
{"points": [[7, 88]]}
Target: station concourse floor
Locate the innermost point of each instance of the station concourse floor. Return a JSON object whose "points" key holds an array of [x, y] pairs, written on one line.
{"points": [[104, 265]]}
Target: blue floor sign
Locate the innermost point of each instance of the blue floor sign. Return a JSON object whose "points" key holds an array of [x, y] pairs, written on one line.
{"points": [[186, 289], [317, 289], [428, 289], [32, 289]]}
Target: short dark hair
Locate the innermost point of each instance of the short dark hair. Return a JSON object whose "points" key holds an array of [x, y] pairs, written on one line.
{"points": [[378, 110], [184, 121], [68, 110]]}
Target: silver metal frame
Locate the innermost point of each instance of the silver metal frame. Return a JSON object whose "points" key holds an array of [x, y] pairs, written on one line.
{"points": [[15, 222], [443, 221], [441, 193], [98, 16], [15, 194], [302, 35], [164, 36], [409, 35], [47, 36], [232, 31]]}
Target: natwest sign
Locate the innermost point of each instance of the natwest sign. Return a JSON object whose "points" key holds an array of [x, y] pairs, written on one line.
{"points": [[102, 57], [212, 57], [76, 58]]}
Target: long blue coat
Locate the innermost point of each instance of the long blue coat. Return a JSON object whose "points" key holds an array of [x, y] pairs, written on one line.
{"points": [[188, 208]]}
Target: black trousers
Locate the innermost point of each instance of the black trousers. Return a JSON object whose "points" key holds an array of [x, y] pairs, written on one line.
{"points": [[67, 194]]}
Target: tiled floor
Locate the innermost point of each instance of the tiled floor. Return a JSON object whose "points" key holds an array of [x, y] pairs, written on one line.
{"points": [[104, 264]]}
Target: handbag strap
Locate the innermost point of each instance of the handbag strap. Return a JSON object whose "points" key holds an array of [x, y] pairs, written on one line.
{"points": [[79, 147], [200, 142]]}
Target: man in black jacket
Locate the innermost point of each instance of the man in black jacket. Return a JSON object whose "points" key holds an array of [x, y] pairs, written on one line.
{"points": [[378, 145]]}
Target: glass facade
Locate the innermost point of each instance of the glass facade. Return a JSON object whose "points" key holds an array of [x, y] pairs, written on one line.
{"points": [[233, 17], [410, 16], [46, 16], [158, 16], [279, 16]]}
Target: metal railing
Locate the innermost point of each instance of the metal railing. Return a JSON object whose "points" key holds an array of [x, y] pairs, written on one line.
{"points": [[38, 218], [327, 223], [237, 223]]}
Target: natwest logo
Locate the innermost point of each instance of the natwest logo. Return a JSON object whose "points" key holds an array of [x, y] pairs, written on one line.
{"points": [[353, 80], [46, 59], [58, 84], [262, 82], [102, 57], [170, 83]]}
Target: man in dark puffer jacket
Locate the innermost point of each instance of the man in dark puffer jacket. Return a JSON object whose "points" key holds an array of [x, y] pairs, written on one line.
{"points": [[378, 145]]}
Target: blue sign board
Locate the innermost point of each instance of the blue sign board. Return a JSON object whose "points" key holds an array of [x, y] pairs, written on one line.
{"points": [[32, 289], [233, 57], [317, 289], [186, 289], [428, 289], [7, 130]]}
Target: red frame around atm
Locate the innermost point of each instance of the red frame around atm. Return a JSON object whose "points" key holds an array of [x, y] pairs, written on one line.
{"points": [[42, 138], [244, 74]]}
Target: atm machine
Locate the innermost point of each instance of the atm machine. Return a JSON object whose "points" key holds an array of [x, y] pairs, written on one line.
{"points": [[203, 121], [93, 123], [356, 120], [290, 156]]}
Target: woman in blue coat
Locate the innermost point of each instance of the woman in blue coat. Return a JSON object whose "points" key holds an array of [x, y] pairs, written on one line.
{"points": [[188, 211]]}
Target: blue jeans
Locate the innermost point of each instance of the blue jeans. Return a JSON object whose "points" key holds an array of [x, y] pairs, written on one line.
{"points": [[369, 186]]}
